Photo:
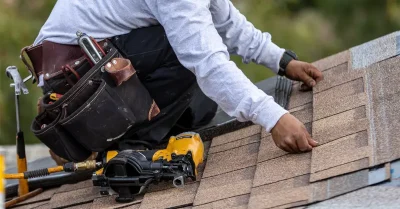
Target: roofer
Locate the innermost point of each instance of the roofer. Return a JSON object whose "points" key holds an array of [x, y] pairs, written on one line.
{"points": [[180, 50]]}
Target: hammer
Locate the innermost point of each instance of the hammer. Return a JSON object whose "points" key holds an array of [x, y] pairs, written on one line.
{"points": [[12, 72]]}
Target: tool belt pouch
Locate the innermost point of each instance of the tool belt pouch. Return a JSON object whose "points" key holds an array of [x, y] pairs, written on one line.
{"points": [[100, 108]]}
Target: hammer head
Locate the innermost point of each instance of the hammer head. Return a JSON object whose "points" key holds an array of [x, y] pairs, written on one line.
{"points": [[12, 72]]}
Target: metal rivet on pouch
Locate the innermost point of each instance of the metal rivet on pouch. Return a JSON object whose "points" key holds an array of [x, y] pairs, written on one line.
{"points": [[102, 69], [114, 62], [108, 65], [47, 75], [77, 63], [90, 82]]}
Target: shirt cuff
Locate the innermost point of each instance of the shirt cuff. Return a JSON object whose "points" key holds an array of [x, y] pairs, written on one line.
{"points": [[271, 56], [269, 114]]}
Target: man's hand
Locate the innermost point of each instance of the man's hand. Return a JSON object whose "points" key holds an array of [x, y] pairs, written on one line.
{"points": [[291, 135], [305, 72]]}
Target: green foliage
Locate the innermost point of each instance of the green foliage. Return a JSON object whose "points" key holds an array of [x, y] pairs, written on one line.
{"points": [[313, 28]]}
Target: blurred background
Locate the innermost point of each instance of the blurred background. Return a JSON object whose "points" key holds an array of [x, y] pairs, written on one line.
{"points": [[314, 29]]}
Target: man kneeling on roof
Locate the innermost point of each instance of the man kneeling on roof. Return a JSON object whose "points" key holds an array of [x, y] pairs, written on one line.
{"points": [[177, 45]]}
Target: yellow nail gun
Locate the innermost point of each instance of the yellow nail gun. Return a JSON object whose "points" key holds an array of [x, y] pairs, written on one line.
{"points": [[129, 172]]}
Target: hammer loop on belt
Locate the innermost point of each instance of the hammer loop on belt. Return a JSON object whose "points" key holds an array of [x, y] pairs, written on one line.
{"points": [[30, 68]]}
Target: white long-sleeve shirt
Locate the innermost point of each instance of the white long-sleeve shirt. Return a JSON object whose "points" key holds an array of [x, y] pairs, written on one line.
{"points": [[202, 34]]}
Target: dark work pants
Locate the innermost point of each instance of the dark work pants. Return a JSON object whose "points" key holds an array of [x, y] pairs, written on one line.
{"points": [[183, 105]]}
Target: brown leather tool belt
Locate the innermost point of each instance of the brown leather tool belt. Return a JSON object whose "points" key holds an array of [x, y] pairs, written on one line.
{"points": [[98, 106]]}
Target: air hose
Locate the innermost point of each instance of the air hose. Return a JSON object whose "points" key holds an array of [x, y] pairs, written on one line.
{"points": [[67, 167]]}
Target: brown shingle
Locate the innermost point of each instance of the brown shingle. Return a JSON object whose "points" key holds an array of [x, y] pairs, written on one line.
{"points": [[236, 135], [385, 105], [71, 187], [75, 197], [340, 125], [170, 198], [299, 98], [237, 202], [109, 202], [31, 205], [339, 99], [346, 89], [268, 150], [264, 133], [340, 105], [45, 195], [341, 169], [304, 113], [350, 182], [81, 206], [281, 194], [234, 159], [135, 206], [332, 61], [235, 144], [287, 184], [262, 199], [291, 205], [341, 151], [282, 168], [337, 76], [225, 186], [318, 191]]}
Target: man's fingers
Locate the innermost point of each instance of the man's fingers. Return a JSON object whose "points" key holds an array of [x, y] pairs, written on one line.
{"points": [[306, 77], [305, 87], [285, 147], [302, 144], [291, 143], [316, 74], [312, 142]]}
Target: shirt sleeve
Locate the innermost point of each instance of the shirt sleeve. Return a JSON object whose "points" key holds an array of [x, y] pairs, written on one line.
{"points": [[242, 38], [199, 47]]}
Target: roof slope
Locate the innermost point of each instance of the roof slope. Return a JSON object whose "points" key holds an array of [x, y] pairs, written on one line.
{"points": [[354, 116]]}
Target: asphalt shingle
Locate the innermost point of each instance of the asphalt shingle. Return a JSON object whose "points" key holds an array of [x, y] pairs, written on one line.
{"points": [[236, 135], [225, 186], [340, 125], [339, 99], [237, 202], [268, 150], [170, 198], [340, 169], [76, 197], [384, 93], [231, 160], [285, 167], [299, 98], [235, 144], [332, 61], [347, 149]]}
